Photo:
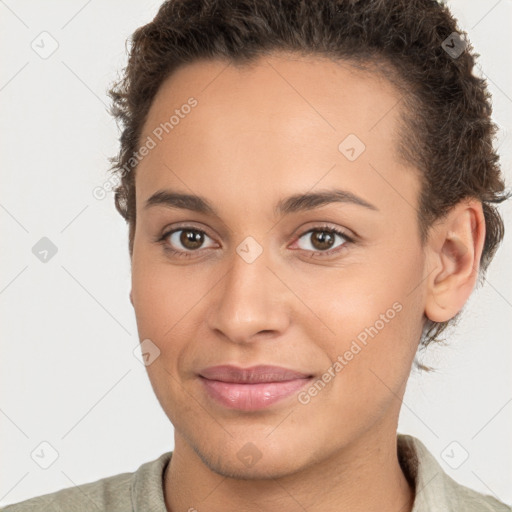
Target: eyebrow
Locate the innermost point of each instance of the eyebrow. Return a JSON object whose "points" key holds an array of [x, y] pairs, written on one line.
{"points": [[292, 204]]}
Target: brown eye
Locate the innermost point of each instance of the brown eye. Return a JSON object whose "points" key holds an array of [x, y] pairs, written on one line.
{"points": [[191, 239], [186, 240], [323, 240]]}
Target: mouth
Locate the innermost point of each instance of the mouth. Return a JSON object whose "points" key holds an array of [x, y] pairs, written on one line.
{"points": [[251, 389]]}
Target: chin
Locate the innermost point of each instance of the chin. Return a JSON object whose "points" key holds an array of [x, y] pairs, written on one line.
{"points": [[230, 466], [256, 456]]}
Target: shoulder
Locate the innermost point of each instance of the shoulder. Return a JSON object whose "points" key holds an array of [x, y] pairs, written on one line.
{"points": [[435, 490], [117, 493], [470, 500], [112, 493]]}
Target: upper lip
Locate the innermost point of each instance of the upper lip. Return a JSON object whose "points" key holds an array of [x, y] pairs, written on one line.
{"points": [[252, 375]]}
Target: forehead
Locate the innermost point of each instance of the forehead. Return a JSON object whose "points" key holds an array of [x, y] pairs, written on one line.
{"points": [[280, 117], [279, 92]]}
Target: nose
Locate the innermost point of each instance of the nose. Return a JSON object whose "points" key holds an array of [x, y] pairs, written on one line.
{"points": [[250, 303]]}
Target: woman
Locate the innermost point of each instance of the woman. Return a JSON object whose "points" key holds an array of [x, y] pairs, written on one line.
{"points": [[309, 188]]}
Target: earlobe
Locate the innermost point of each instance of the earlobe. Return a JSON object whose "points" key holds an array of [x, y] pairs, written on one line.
{"points": [[455, 247], [131, 297]]}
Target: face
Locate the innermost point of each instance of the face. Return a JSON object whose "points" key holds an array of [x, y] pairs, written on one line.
{"points": [[329, 285]]}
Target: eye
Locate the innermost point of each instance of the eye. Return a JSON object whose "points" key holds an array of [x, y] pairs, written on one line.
{"points": [[187, 240], [322, 240], [184, 241]]}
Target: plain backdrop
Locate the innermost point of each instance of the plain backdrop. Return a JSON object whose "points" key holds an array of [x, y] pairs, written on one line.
{"points": [[69, 378]]}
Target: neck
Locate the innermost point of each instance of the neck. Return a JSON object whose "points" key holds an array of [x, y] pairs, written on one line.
{"points": [[363, 476]]}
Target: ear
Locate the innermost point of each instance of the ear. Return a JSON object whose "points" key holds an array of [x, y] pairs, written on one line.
{"points": [[454, 248], [131, 298]]}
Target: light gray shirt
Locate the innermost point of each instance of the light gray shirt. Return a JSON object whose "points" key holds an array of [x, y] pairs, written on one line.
{"points": [[142, 490]]}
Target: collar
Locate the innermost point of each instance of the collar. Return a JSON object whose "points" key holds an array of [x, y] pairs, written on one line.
{"points": [[424, 473], [147, 486]]}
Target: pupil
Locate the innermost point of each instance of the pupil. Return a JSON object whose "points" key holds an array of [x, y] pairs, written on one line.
{"points": [[191, 239], [322, 239]]}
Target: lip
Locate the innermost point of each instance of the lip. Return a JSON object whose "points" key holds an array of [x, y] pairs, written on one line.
{"points": [[251, 389]]}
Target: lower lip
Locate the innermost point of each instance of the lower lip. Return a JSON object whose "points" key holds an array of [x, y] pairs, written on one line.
{"points": [[251, 397]]}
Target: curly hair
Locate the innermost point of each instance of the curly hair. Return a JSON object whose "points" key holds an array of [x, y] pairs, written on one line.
{"points": [[447, 132]]}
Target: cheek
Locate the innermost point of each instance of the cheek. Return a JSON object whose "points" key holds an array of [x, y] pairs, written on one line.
{"points": [[169, 303], [162, 294], [164, 298], [382, 292], [374, 319]]}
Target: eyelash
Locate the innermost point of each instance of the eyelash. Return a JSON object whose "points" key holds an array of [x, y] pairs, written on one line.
{"points": [[188, 254]]}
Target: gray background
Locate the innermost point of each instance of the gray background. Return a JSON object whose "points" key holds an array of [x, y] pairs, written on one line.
{"points": [[68, 373]]}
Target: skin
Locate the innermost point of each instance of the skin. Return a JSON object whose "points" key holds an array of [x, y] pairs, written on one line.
{"points": [[260, 134]]}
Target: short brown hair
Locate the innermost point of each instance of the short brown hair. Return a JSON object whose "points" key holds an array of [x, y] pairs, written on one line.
{"points": [[447, 134]]}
